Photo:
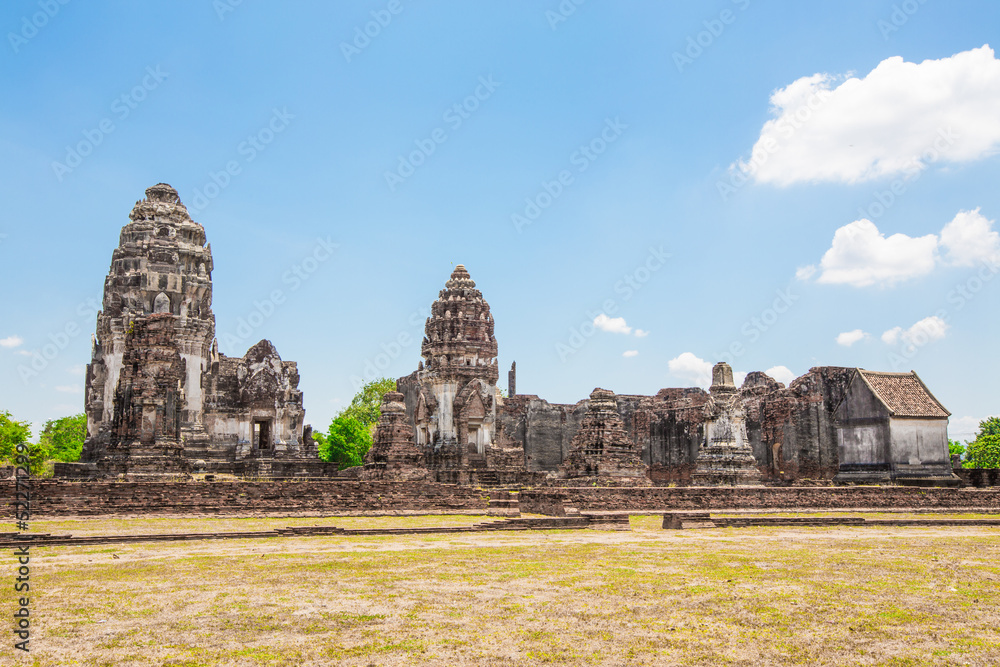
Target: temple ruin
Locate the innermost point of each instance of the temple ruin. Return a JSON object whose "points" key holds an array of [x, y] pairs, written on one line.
{"points": [[160, 398], [162, 401], [760, 433]]}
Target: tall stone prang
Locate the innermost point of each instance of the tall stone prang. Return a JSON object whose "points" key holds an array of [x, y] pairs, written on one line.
{"points": [[158, 393], [452, 398], [393, 454], [725, 458], [459, 370], [602, 448]]}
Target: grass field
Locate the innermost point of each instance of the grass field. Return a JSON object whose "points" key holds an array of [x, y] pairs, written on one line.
{"points": [[749, 596]]}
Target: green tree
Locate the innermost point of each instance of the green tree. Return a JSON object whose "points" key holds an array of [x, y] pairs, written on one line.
{"points": [[347, 442], [955, 447], [366, 406], [12, 434], [63, 438], [353, 429], [984, 451]]}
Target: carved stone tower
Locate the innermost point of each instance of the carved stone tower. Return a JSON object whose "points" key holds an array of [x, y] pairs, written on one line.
{"points": [[725, 458], [162, 266], [459, 373]]}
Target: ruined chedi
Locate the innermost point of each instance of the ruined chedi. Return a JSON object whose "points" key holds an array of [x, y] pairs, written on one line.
{"points": [[725, 458], [601, 449], [393, 454], [159, 396]]}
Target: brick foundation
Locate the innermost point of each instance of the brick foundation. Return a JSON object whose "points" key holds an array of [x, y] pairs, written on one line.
{"points": [[62, 498]]}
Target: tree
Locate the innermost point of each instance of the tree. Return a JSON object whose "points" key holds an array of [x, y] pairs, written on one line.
{"points": [[63, 438], [347, 442], [12, 434], [353, 429], [366, 406], [984, 451], [955, 448]]}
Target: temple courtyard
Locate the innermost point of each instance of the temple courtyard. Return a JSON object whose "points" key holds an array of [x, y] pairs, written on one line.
{"points": [[843, 595]]}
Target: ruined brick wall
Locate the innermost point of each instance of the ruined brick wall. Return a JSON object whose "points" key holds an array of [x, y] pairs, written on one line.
{"points": [[657, 499], [60, 498], [545, 429], [55, 498]]}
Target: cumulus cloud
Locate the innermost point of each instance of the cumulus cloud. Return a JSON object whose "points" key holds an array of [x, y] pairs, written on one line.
{"points": [[897, 119], [612, 324], [782, 374], [691, 368], [69, 389], [11, 341], [925, 331], [641, 333], [849, 338], [630, 353], [970, 239], [861, 256]]}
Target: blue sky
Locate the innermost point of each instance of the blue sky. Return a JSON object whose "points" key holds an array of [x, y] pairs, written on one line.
{"points": [[599, 166]]}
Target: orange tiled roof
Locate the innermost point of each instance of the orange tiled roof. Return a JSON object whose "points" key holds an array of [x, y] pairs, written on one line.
{"points": [[904, 394]]}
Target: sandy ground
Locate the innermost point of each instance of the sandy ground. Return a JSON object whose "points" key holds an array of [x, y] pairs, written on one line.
{"points": [[757, 596]]}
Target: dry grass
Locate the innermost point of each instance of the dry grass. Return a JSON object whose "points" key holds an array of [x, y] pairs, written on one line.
{"points": [[753, 596]]}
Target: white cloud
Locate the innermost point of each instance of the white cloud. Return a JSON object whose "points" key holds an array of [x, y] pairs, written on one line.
{"points": [[11, 341], [687, 366], [69, 389], [77, 369], [630, 353], [970, 239], [805, 272], [925, 331], [25, 353], [612, 324], [739, 377], [897, 119], [891, 337], [861, 255], [964, 428], [641, 333], [849, 338], [782, 374]]}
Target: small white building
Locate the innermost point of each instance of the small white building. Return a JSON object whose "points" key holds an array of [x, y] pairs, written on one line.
{"points": [[890, 428]]}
